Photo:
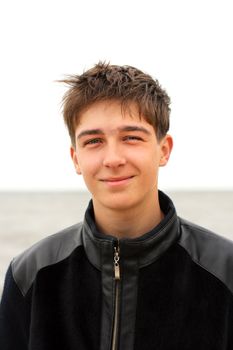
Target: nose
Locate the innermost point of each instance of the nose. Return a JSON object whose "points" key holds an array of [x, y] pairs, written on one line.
{"points": [[113, 157]]}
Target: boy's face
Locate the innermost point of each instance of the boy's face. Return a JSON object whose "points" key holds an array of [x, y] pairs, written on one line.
{"points": [[118, 155]]}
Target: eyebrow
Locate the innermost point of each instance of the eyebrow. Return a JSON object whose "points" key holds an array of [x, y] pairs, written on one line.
{"points": [[123, 128], [89, 132]]}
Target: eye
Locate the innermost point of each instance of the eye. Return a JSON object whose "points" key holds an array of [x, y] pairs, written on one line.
{"points": [[132, 138], [92, 141]]}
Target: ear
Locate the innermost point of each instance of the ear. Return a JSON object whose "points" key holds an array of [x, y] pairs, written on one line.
{"points": [[166, 145], [74, 157]]}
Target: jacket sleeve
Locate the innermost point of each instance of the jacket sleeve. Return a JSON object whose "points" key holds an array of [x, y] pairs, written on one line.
{"points": [[14, 316]]}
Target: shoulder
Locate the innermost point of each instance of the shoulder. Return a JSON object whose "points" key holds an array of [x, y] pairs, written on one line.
{"points": [[211, 251], [48, 251]]}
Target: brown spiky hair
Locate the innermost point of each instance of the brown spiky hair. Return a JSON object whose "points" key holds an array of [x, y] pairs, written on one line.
{"points": [[126, 84]]}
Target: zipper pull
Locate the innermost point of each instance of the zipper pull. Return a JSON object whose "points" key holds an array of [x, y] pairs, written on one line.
{"points": [[116, 263]]}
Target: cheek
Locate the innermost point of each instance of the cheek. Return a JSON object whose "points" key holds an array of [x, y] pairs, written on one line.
{"points": [[146, 159], [89, 166], [149, 165]]}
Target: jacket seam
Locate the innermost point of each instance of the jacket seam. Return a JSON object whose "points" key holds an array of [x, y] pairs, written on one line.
{"points": [[205, 268], [36, 274]]}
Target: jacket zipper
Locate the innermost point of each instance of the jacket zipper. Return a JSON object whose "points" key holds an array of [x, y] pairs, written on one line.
{"points": [[117, 277]]}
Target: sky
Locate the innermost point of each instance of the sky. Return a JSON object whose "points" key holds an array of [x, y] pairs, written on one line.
{"points": [[186, 45]]}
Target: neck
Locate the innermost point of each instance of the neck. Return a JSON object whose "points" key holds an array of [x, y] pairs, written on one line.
{"points": [[130, 223]]}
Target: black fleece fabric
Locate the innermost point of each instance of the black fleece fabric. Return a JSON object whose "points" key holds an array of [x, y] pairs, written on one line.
{"points": [[180, 304]]}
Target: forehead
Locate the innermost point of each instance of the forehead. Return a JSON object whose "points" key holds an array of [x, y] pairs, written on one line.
{"points": [[111, 115]]}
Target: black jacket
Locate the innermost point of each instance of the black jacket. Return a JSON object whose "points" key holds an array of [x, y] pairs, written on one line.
{"points": [[174, 290]]}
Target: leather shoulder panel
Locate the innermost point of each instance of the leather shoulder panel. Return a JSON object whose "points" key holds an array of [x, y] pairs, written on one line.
{"points": [[48, 251], [212, 252]]}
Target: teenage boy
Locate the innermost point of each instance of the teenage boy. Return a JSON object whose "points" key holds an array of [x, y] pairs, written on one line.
{"points": [[133, 275]]}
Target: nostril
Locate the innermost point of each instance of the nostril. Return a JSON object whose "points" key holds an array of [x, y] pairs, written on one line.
{"points": [[114, 161]]}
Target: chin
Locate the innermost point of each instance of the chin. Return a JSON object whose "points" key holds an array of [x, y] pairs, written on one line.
{"points": [[119, 203]]}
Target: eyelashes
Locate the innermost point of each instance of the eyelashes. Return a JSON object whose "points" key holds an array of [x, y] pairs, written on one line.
{"points": [[128, 138], [92, 141], [131, 138]]}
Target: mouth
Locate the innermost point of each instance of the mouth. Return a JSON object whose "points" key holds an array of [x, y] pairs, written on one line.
{"points": [[115, 181]]}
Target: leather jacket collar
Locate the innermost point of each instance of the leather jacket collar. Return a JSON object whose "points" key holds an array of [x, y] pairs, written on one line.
{"points": [[145, 249]]}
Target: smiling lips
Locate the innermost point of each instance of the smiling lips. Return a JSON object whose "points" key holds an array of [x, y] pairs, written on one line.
{"points": [[117, 181]]}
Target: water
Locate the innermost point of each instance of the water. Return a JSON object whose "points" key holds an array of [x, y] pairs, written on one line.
{"points": [[27, 217]]}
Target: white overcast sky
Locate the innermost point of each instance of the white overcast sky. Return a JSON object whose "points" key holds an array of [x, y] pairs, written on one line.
{"points": [[186, 45]]}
